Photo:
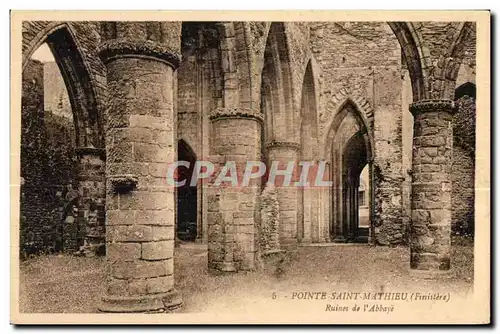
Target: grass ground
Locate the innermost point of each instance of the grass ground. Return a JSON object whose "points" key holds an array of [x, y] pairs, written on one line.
{"points": [[55, 284]]}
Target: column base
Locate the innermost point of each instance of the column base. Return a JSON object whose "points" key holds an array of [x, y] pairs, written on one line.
{"points": [[227, 267], [306, 241], [286, 243], [340, 239], [154, 303], [222, 268], [430, 274]]}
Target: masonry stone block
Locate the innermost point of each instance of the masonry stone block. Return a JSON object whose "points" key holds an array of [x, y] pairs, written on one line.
{"points": [[141, 92], [160, 250], [430, 239]]}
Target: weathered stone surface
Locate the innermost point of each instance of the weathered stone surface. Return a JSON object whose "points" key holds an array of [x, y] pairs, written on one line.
{"points": [[431, 203], [138, 269], [140, 132], [231, 234], [160, 284], [270, 220], [123, 251], [157, 250]]}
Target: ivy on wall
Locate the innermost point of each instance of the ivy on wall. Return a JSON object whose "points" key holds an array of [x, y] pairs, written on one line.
{"points": [[48, 166]]}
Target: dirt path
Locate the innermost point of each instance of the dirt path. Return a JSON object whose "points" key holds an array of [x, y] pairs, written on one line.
{"points": [[69, 284]]}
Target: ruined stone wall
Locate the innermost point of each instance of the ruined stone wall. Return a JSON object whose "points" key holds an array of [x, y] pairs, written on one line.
{"points": [[198, 92], [61, 169], [463, 166], [363, 60], [48, 165], [188, 102], [31, 233]]}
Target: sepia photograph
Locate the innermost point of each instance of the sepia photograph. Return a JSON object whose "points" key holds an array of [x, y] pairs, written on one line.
{"points": [[250, 167]]}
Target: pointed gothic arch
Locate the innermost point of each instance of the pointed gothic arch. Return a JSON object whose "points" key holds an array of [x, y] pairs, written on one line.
{"points": [[276, 87], [89, 129], [413, 53], [463, 39], [337, 110], [308, 116], [349, 148]]}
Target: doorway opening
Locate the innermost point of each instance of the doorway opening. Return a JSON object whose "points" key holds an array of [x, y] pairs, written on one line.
{"points": [[351, 175], [187, 201]]}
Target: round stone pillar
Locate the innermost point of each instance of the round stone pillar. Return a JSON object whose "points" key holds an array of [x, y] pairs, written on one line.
{"points": [[92, 190], [283, 153], [233, 209], [140, 144], [430, 233]]}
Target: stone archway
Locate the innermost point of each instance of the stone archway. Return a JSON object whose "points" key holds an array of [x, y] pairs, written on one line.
{"points": [[83, 230], [350, 149], [414, 57], [276, 87], [279, 135], [78, 77], [354, 159]]}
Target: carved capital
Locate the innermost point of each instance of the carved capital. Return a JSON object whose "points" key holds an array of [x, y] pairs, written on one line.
{"points": [[424, 106], [123, 183], [287, 144], [227, 113], [121, 48]]}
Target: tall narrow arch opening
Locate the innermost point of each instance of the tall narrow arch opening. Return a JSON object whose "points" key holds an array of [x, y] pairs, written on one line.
{"points": [[276, 87], [354, 161], [309, 122], [280, 135], [187, 198], [308, 226], [199, 90], [351, 174], [59, 116]]}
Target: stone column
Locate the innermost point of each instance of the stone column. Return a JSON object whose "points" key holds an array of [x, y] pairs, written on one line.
{"points": [[310, 198], [356, 210], [431, 185], [234, 210], [283, 153], [324, 207], [352, 208], [313, 226], [92, 190], [140, 143], [338, 198], [348, 210]]}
